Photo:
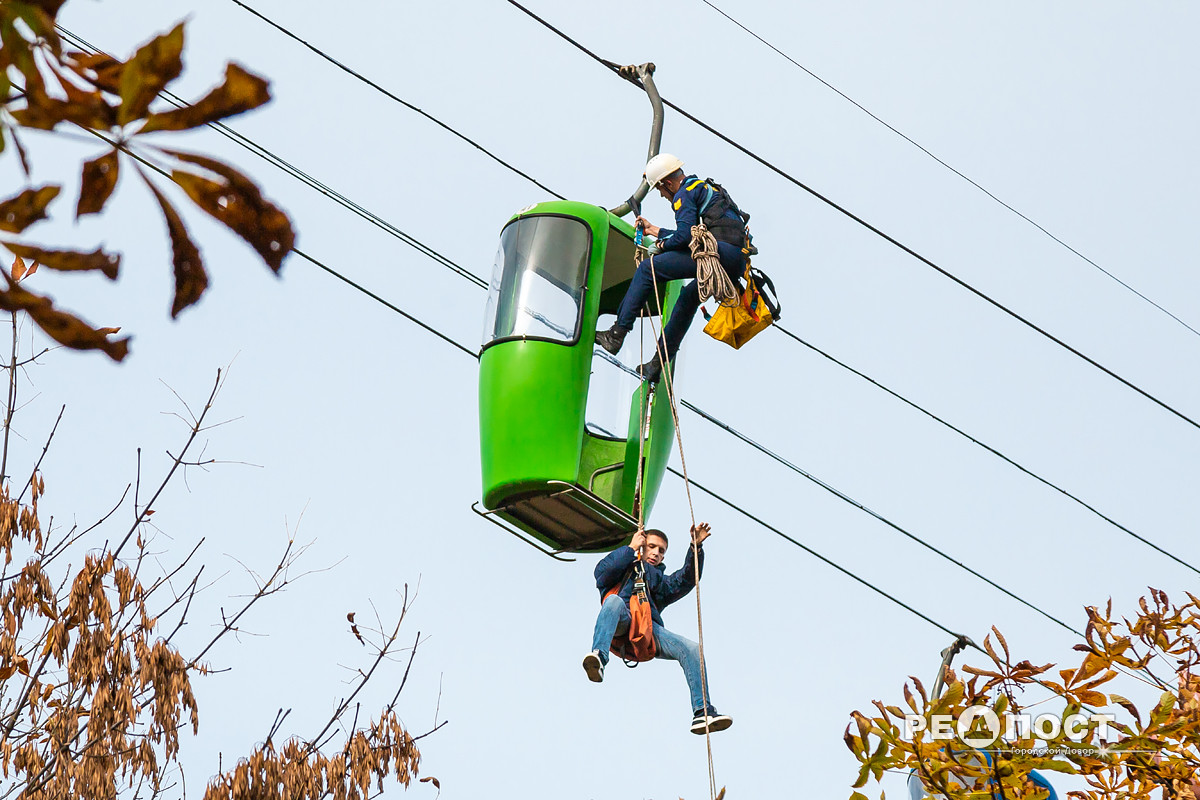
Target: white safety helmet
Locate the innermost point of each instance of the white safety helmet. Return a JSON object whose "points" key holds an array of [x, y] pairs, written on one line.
{"points": [[660, 167]]}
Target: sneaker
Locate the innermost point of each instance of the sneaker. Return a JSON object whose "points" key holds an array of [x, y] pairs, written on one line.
{"points": [[594, 667], [612, 339], [651, 371], [712, 721]]}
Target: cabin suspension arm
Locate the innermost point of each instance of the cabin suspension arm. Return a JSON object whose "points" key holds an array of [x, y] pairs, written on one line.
{"points": [[643, 76]]}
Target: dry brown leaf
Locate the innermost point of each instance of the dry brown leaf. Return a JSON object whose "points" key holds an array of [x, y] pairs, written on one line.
{"points": [[45, 112], [190, 278], [240, 92], [50, 7], [99, 69], [99, 180], [70, 260], [19, 212], [238, 204], [64, 328], [430, 779], [153, 66]]}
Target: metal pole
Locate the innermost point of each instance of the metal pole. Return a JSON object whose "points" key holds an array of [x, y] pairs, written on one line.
{"points": [[947, 658], [644, 75]]}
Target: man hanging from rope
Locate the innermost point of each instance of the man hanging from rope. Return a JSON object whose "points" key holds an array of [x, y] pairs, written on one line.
{"points": [[694, 201], [617, 578]]}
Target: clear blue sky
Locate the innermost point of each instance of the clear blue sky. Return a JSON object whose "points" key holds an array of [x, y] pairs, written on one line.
{"points": [[1080, 114]]}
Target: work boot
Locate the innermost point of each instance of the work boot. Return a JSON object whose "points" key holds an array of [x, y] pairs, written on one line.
{"points": [[651, 371], [593, 666], [612, 339]]}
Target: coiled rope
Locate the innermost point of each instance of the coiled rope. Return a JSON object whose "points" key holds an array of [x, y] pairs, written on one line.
{"points": [[711, 278]]}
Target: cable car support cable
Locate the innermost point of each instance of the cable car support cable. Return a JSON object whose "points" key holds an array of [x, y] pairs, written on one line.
{"points": [[616, 68], [927, 152], [877, 231], [433, 254], [394, 97], [450, 264]]}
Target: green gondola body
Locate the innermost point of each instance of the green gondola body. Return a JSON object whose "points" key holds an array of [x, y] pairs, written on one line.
{"points": [[547, 468]]}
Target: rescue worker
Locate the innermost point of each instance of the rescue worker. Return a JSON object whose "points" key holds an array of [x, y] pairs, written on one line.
{"points": [[615, 571], [693, 200]]}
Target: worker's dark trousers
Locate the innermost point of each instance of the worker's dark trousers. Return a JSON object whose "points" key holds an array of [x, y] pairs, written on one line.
{"points": [[673, 265]]}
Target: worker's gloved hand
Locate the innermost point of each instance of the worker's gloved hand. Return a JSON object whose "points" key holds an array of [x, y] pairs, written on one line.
{"points": [[700, 532]]}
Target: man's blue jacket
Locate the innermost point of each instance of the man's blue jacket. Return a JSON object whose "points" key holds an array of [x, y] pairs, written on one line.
{"points": [[693, 197], [663, 589]]}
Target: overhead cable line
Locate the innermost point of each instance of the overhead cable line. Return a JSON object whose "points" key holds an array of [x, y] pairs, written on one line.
{"points": [[312, 260], [475, 355], [399, 100], [340, 198], [305, 178], [614, 68], [837, 493], [924, 150], [425, 249], [747, 514], [847, 498], [810, 551], [263, 152], [989, 448]]}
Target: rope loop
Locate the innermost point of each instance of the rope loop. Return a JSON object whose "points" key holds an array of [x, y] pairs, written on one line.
{"points": [[711, 278]]}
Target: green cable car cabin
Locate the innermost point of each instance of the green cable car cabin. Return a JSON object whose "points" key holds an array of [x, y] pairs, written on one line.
{"points": [[561, 420]]}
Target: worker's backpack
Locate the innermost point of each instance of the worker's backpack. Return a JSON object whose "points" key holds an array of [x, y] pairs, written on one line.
{"points": [[724, 228]]}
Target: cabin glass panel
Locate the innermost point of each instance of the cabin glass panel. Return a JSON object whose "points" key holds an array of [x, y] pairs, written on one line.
{"points": [[538, 280]]}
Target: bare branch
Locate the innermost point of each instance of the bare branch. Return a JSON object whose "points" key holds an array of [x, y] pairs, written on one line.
{"points": [[191, 438]]}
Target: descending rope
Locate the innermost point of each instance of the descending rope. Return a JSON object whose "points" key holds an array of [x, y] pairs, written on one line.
{"points": [[665, 361]]}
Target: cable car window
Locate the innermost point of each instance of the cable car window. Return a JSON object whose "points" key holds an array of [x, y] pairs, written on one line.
{"points": [[615, 382], [537, 281]]}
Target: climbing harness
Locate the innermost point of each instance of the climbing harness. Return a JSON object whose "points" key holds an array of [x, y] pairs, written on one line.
{"points": [[639, 644], [714, 216]]}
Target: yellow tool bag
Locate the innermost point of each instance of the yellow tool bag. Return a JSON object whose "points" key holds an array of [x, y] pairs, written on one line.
{"points": [[757, 308]]}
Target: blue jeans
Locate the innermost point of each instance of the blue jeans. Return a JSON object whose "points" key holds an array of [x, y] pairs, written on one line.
{"points": [[674, 265], [614, 620]]}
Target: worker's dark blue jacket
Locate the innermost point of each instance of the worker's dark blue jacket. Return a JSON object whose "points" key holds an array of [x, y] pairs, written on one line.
{"points": [[663, 589], [691, 199]]}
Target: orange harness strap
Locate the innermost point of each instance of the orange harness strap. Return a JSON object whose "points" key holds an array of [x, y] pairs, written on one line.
{"points": [[639, 644]]}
